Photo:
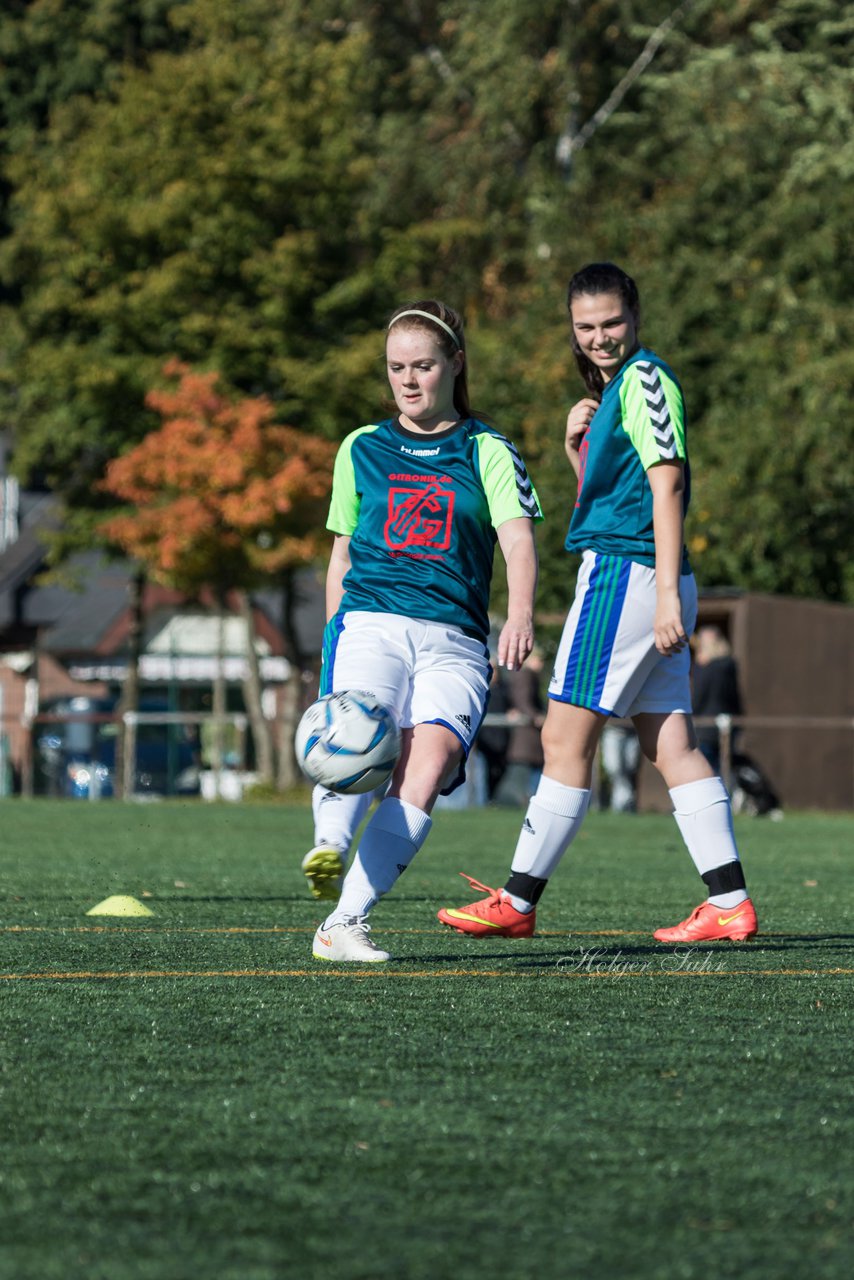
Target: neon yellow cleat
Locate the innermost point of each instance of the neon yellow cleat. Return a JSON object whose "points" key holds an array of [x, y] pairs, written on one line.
{"points": [[323, 867]]}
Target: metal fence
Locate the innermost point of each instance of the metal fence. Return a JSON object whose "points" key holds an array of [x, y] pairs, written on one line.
{"points": [[238, 723]]}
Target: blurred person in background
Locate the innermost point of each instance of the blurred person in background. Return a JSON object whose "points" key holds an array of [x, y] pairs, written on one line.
{"points": [[716, 693], [525, 706], [492, 740], [620, 755], [715, 688]]}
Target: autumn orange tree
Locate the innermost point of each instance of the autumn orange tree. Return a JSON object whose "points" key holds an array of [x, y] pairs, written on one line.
{"points": [[220, 497]]}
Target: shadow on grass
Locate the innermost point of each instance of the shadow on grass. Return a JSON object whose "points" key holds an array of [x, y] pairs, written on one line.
{"points": [[583, 944], [483, 959], [178, 896], [778, 940], [230, 897]]}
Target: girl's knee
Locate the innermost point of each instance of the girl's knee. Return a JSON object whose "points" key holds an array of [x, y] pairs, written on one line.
{"points": [[553, 743], [562, 751]]}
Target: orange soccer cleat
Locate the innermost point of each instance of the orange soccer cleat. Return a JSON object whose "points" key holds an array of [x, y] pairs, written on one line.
{"points": [[708, 923], [492, 917]]}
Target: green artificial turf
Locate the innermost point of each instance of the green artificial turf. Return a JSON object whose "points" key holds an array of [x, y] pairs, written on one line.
{"points": [[204, 1100]]}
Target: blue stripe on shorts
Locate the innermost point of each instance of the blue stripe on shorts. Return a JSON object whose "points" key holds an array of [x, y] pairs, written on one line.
{"points": [[331, 635], [593, 642]]}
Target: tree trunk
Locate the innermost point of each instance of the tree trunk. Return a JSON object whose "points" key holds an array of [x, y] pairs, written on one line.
{"points": [[125, 763], [31, 710], [288, 772], [261, 730], [219, 697]]}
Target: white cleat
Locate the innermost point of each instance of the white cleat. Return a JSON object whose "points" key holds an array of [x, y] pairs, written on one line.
{"points": [[347, 941]]}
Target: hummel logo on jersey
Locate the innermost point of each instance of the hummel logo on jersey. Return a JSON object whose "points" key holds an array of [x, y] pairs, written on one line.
{"points": [[465, 721], [419, 453], [527, 828]]}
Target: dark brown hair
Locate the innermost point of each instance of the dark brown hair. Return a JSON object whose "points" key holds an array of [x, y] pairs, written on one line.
{"points": [[599, 277]]}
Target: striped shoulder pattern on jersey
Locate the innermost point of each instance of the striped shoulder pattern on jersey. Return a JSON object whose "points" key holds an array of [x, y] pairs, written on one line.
{"points": [[524, 488], [656, 403]]}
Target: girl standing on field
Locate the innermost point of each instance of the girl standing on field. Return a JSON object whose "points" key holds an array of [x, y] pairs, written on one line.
{"points": [[418, 503], [624, 650]]}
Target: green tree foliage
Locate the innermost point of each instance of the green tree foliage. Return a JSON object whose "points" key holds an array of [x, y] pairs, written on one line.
{"points": [[722, 185], [199, 213], [745, 241], [251, 185], [53, 50]]}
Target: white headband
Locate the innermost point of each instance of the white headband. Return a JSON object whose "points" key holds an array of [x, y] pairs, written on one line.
{"points": [[429, 316]]}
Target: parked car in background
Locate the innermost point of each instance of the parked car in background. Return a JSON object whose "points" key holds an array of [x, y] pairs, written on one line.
{"points": [[74, 748]]}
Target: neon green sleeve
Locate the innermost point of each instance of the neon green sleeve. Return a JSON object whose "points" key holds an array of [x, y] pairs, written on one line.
{"points": [[345, 503], [505, 480], [653, 414]]}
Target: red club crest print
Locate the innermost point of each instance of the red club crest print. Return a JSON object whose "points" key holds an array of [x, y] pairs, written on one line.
{"points": [[419, 515]]}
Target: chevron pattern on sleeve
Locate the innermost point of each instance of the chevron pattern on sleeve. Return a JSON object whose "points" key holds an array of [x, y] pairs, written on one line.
{"points": [[659, 414], [524, 488]]}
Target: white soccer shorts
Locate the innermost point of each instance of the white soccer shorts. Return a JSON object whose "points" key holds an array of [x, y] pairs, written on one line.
{"points": [[607, 659], [425, 672]]}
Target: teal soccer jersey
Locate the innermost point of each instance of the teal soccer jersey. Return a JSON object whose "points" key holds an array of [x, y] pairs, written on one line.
{"points": [[422, 513], [640, 422]]}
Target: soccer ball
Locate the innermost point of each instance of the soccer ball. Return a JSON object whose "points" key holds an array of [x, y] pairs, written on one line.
{"points": [[347, 742]]}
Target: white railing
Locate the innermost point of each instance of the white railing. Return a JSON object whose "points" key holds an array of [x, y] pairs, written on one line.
{"points": [[725, 724]]}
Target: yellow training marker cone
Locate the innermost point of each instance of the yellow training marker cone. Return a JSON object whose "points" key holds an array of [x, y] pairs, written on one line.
{"points": [[120, 905]]}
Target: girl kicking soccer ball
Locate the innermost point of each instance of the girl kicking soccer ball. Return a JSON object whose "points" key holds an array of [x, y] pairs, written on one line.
{"points": [[419, 501]]}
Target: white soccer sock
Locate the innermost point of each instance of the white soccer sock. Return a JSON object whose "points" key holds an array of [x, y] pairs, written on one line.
{"points": [[554, 817], [389, 843], [703, 814], [337, 817]]}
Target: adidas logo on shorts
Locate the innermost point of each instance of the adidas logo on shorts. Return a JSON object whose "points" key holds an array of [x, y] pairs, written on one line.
{"points": [[465, 721]]}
